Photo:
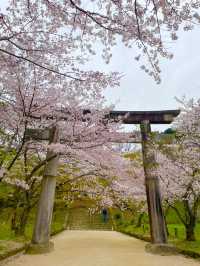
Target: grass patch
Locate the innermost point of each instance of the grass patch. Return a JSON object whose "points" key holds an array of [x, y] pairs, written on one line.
{"points": [[9, 248], [189, 248], [5, 225], [10, 244]]}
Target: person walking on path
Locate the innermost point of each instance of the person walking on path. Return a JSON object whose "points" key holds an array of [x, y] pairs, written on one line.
{"points": [[105, 215]]}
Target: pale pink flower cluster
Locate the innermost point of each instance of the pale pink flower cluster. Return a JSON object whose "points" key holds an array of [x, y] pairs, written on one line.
{"points": [[178, 167], [16, 182]]}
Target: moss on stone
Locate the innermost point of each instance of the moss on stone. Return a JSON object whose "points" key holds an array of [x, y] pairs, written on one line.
{"points": [[161, 249], [43, 248]]}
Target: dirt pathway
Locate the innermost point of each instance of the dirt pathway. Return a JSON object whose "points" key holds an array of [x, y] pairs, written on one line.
{"points": [[96, 248]]}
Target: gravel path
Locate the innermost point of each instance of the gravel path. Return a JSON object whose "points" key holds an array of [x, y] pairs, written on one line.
{"points": [[99, 248]]}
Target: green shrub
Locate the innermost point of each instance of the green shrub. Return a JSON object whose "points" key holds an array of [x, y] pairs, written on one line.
{"points": [[117, 216]]}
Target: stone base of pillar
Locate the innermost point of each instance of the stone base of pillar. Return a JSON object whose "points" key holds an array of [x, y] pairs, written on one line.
{"points": [[161, 249], [40, 248]]}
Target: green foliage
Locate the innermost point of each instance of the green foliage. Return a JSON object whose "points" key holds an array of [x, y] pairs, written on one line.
{"points": [[5, 191], [172, 217], [5, 224], [169, 131], [5, 231], [117, 216], [5, 156], [134, 155]]}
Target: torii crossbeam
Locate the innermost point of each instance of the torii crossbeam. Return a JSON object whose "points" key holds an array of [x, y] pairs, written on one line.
{"points": [[136, 117]]}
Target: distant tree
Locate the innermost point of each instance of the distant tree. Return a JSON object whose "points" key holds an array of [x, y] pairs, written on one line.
{"points": [[169, 131]]}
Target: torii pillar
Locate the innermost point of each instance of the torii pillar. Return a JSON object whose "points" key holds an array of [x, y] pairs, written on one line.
{"points": [[41, 235], [145, 119], [156, 217]]}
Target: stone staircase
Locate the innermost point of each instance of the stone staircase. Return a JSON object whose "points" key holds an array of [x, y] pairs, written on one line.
{"points": [[79, 219]]}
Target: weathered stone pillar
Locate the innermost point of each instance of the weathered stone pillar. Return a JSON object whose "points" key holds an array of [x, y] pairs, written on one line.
{"points": [[156, 217], [41, 235]]}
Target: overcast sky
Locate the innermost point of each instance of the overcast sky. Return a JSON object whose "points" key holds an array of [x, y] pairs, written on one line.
{"points": [[180, 76]]}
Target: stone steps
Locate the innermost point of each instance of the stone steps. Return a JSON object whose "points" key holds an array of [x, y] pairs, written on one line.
{"points": [[79, 219]]}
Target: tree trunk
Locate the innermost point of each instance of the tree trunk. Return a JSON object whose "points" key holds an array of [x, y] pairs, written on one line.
{"points": [[19, 220], [167, 230], [189, 228], [190, 235], [139, 222], [190, 225], [14, 220], [23, 220], [165, 219]]}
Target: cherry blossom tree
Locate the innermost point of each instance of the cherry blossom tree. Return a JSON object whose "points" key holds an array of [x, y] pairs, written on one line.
{"points": [[32, 100], [179, 167], [127, 191], [35, 31], [109, 178]]}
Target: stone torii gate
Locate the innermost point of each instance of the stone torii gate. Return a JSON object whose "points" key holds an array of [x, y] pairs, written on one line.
{"points": [[155, 211], [41, 236]]}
